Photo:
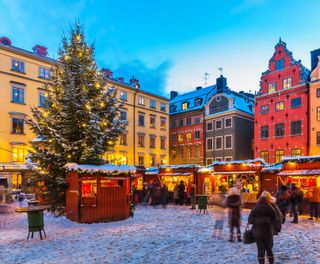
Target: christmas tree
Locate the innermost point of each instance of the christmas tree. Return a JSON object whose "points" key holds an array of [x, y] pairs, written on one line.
{"points": [[80, 121]]}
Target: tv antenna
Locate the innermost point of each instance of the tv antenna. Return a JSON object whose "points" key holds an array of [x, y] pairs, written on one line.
{"points": [[206, 77], [221, 70]]}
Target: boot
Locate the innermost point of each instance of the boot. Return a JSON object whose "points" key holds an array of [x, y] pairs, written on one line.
{"points": [[231, 238], [271, 260], [239, 238], [261, 260]]}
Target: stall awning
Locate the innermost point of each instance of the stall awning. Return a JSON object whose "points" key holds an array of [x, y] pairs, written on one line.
{"points": [[299, 172], [176, 174], [12, 167], [232, 172]]}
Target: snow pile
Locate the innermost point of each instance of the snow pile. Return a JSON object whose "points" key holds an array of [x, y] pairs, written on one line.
{"points": [[173, 235], [106, 168]]}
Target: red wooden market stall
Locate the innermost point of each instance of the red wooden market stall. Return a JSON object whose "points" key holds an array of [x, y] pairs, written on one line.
{"points": [[218, 178], [98, 193]]}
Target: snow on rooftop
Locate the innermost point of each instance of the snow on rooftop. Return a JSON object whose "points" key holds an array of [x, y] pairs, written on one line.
{"points": [[285, 159], [106, 168], [179, 166]]}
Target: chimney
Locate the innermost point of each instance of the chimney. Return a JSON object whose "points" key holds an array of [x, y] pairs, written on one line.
{"points": [[40, 50], [173, 94], [121, 79], [198, 88], [107, 72], [5, 41], [221, 84], [134, 82], [314, 58]]}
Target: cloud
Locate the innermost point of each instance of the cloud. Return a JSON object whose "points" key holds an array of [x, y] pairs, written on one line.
{"points": [[151, 79]]}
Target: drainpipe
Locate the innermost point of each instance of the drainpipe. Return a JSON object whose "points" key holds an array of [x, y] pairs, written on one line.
{"points": [[134, 125]]}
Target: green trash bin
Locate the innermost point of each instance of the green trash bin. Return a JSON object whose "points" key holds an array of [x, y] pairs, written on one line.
{"points": [[35, 223], [202, 203]]}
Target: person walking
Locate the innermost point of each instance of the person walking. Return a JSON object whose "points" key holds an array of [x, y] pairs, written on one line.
{"points": [[181, 189], [263, 218], [296, 198], [189, 186], [234, 205], [314, 202], [283, 201], [176, 194], [193, 192], [164, 193]]}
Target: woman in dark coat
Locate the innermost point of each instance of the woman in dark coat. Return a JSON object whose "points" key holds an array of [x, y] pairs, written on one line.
{"points": [[234, 205], [263, 218], [181, 189]]}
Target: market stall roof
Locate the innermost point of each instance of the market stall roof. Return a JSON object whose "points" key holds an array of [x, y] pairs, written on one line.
{"points": [[179, 166], [301, 159], [13, 167], [106, 168], [250, 162], [272, 168], [232, 172], [152, 171], [299, 172], [176, 174]]}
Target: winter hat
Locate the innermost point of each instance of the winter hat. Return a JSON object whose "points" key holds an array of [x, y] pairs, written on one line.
{"points": [[268, 196], [233, 191]]}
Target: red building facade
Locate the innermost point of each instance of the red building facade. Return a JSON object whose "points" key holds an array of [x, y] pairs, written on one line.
{"points": [[186, 141], [281, 108]]}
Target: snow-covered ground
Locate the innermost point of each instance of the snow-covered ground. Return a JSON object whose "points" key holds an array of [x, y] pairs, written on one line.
{"points": [[172, 235]]}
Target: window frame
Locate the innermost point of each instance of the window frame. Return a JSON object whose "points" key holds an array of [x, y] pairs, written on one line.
{"points": [[225, 141], [17, 68], [278, 157], [153, 104], [44, 73], [141, 100], [287, 85], [263, 156], [215, 124], [300, 128], [207, 144], [272, 87], [261, 131], [215, 143], [18, 89], [14, 127], [141, 115], [225, 122], [266, 111], [275, 130], [124, 95], [209, 123], [296, 106], [280, 103]]}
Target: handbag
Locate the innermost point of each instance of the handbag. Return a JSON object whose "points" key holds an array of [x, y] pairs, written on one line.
{"points": [[247, 236]]}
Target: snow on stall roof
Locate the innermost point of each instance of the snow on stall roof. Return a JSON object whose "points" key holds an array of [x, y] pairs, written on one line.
{"points": [[10, 166], [249, 161], [107, 168], [152, 171], [286, 159], [179, 166], [272, 168]]}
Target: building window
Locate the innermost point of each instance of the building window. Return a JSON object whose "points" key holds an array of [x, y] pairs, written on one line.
{"points": [[264, 132], [180, 137], [196, 151], [279, 64], [188, 136], [180, 152], [209, 126], [180, 122], [197, 134], [152, 121], [140, 100], [296, 128], [264, 155], [140, 140], [318, 113], [17, 95], [141, 160], [295, 152], [296, 102], [218, 143], [272, 87], [172, 123], [18, 154], [43, 99], [209, 143], [287, 83], [163, 122], [44, 73], [209, 161], [318, 137], [153, 104], [163, 143], [124, 95], [141, 120], [279, 155], [188, 152], [197, 120], [228, 122], [123, 139], [17, 125], [197, 102], [163, 107], [264, 109], [172, 108], [184, 106], [123, 116], [17, 65], [279, 130], [218, 124], [228, 142], [152, 141], [279, 106], [219, 159], [152, 161], [318, 92], [228, 159], [188, 121]]}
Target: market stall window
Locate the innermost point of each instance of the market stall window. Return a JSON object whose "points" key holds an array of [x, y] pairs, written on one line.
{"points": [[105, 182], [171, 181], [88, 192]]}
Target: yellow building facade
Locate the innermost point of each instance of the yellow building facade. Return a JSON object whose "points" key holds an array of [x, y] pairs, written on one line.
{"points": [[145, 141], [22, 75], [314, 103]]}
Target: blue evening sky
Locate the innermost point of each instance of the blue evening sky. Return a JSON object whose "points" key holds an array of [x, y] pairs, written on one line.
{"points": [[170, 44]]}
